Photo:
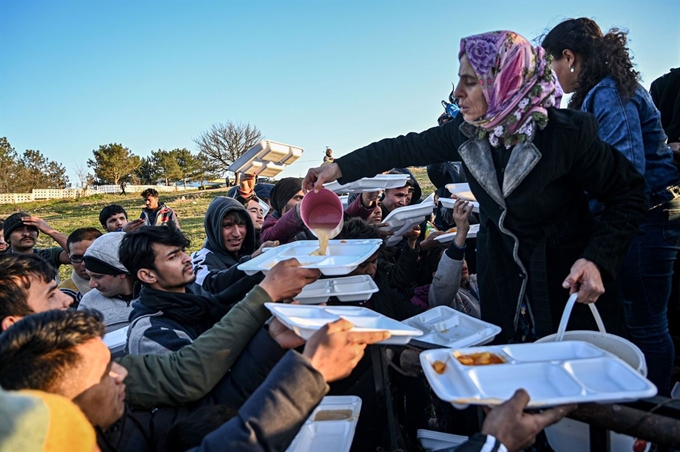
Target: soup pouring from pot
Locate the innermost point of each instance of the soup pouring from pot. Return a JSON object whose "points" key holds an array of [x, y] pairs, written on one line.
{"points": [[322, 212]]}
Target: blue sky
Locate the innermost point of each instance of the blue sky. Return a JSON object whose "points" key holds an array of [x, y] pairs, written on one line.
{"points": [[154, 74]]}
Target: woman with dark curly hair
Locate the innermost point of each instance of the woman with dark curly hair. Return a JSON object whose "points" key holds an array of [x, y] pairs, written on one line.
{"points": [[597, 68]]}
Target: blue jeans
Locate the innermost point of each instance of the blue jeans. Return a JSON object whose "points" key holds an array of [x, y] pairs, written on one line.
{"points": [[645, 281]]}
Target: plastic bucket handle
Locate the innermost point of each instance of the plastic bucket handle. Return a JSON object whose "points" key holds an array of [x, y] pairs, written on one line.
{"points": [[567, 313]]}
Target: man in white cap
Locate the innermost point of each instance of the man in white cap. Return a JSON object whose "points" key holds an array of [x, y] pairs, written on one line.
{"points": [[112, 284]]}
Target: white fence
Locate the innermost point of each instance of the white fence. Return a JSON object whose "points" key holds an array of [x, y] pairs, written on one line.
{"points": [[72, 193]]}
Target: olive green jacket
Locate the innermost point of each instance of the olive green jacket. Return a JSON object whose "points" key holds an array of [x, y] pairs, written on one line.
{"points": [[190, 373]]}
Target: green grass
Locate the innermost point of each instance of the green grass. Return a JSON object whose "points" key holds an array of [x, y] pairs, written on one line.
{"points": [[68, 215]]}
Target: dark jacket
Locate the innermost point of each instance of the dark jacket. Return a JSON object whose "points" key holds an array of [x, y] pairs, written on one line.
{"points": [[665, 92], [164, 322], [272, 405], [538, 224], [216, 268]]}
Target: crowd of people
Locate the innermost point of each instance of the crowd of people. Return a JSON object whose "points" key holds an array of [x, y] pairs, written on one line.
{"points": [[584, 200]]}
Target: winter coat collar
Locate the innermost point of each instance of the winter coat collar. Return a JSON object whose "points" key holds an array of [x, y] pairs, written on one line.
{"points": [[476, 154]]}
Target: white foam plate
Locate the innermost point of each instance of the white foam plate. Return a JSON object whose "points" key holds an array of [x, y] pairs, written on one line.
{"points": [[347, 289], [368, 184], [553, 373], [267, 158], [116, 339], [328, 436], [450, 328], [450, 236], [305, 320], [343, 256], [432, 441], [450, 202], [402, 219]]}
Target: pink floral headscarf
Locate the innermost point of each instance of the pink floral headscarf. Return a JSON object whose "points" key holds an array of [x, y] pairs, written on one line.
{"points": [[518, 85]]}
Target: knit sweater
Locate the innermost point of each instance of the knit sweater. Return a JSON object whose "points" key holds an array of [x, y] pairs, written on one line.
{"points": [[116, 311]]}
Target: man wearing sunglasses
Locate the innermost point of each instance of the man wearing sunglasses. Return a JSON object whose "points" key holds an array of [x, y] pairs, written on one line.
{"points": [[79, 283]]}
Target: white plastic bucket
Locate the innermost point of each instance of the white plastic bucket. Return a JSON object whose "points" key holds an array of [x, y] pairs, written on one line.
{"points": [[570, 435]]}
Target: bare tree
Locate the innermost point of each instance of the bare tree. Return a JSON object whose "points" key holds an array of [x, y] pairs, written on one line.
{"points": [[85, 179], [224, 143]]}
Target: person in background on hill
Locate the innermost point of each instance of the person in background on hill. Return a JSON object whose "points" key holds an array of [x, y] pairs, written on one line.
{"points": [[328, 156], [598, 70], [156, 213], [114, 218], [79, 283], [21, 232], [113, 285], [4, 246]]}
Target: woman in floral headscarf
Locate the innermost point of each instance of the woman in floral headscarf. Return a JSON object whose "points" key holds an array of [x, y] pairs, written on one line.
{"points": [[529, 166]]}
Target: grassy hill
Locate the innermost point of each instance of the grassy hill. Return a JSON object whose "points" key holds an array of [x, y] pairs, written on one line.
{"points": [[68, 215]]}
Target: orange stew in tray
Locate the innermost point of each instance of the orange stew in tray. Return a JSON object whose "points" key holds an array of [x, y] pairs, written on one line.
{"points": [[479, 359]]}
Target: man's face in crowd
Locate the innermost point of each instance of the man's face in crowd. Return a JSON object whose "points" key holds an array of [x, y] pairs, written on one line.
{"points": [[174, 269], [396, 197], [233, 232], [256, 214], [109, 285], [3, 245], [76, 251], [96, 384], [376, 216], [23, 238], [151, 202], [44, 296], [115, 222], [368, 267], [294, 201]]}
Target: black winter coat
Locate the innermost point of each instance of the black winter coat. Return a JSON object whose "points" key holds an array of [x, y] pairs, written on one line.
{"points": [[535, 221]]}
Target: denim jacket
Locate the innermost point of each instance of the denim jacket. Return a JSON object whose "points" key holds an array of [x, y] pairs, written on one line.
{"points": [[633, 127]]}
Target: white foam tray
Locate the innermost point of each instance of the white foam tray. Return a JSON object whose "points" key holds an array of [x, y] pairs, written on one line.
{"points": [[432, 441], [347, 289], [116, 339], [328, 436], [447, 327], [450, 236], [553, 373], [450, 202], [368, 184], [402, 219], [305, 320], [343, 256], [267, 158]]}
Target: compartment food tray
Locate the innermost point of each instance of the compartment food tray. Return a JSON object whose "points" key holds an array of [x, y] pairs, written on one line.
{"points": [[331, 435], [267, 158], [450, 236], [450, 202], [446, 327], [368, 184], [553, 373], [347, 289], [433, 441], [343, 256], [305, 320]]}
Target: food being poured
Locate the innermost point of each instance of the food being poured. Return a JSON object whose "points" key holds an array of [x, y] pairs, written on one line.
{"points": [[322, 212]]}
